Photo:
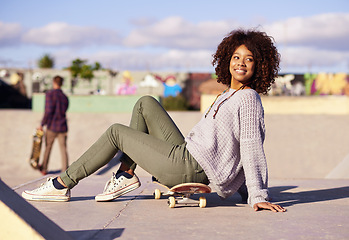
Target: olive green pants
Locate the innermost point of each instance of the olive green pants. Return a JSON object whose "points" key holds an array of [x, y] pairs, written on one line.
{"points": [[152, 141]]}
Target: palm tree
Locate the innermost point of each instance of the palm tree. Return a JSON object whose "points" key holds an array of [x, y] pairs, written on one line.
{"points": [[76, 67], [86, 72], [80, 68], [46, 61], [75, 70], [97, 66]]}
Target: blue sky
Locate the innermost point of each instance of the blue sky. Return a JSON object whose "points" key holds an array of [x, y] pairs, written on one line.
{"points": [[311, 35]]}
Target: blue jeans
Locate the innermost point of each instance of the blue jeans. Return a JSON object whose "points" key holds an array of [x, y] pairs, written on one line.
{"points": [[152, 141]]}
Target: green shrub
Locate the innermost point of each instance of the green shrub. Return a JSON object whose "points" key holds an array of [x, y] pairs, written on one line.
{"points": [[178, 103]]}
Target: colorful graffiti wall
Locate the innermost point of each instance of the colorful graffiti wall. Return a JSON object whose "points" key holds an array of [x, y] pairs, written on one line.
{"points": [[189, 85], [311, 84]]}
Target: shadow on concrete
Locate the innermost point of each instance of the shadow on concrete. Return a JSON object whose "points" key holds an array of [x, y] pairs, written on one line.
{"points": [[97, 234], [55, 172], [125, 198], [287, 199], [213, 200], [85, 198], [279, 196]]}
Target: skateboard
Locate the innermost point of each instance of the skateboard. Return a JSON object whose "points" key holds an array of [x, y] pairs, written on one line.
{"points": [[36, 149], [181, 194]]}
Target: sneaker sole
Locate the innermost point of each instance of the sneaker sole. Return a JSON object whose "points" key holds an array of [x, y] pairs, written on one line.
{"points": [[47, 198], [114, 195]]}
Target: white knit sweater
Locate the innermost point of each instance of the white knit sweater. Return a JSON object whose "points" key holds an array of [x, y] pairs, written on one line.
{"points": [[230, 147]]}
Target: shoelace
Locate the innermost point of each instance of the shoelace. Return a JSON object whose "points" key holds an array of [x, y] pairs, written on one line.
{"points": [[42, 186], [108, 183], [111, 181]]}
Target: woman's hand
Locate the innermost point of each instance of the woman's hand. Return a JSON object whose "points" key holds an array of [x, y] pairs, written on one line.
{"points": [[269, 206]]}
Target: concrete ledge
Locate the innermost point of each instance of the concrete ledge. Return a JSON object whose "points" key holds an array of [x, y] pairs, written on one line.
{"points": [[92, 103], [334, 105], [337, 105], [20, 220], [341, 170]]}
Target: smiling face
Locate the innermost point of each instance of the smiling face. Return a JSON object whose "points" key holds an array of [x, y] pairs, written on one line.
{"points": [[241, 67]]}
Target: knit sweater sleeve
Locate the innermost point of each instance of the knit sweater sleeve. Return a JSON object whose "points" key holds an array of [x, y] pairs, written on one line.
{"points": [[252, 133]]}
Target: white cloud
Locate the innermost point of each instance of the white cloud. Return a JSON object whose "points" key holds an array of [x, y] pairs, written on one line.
{"points": [[141, 60], [142, 21], [175, 32], [63, 34], [326, 31], [9, 33], [307, 58], [176, 43]]}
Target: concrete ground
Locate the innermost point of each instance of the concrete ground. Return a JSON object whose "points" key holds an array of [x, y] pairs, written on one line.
{"points": [[316, 209], [304, 154]]}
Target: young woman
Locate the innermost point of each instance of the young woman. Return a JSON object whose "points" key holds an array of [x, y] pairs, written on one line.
{"points": [[224, 149]]}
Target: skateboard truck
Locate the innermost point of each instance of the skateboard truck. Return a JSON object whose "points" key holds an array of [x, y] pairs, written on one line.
{"points": [[186, 200]]}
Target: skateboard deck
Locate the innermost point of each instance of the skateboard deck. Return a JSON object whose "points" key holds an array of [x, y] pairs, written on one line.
{"points": [[181, 194], [36, 149]]}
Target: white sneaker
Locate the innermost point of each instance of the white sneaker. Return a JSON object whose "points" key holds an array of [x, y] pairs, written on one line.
{"points": [[47, 192], [116, 187]]}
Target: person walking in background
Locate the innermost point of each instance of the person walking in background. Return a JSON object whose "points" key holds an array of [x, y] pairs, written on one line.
{"points": [[55, 120]]}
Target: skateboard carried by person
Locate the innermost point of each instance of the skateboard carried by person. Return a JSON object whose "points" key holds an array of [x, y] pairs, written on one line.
{"points": [[36, 149], [181, 194]]}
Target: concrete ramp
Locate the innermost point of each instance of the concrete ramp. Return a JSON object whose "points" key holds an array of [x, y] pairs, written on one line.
{"points": [[20, 220], [341, 171]]}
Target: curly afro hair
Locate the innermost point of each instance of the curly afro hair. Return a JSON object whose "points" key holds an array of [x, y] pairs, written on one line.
{"points": [[264, 52]]}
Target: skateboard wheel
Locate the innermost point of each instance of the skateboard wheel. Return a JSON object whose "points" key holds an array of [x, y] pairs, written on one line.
{"points": [[171, 202], [157, 194], [33, 163], [202, 202]]}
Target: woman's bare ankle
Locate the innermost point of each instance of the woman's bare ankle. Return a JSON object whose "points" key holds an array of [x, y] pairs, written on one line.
{"points": [[129, 171], [59, 179], [125, 168]]}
